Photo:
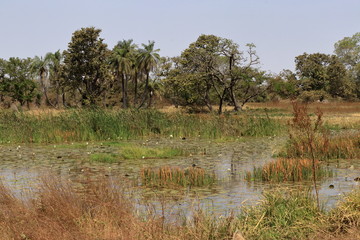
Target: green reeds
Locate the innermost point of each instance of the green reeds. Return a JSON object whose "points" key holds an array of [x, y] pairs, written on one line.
{"points": [[281, 215], [99, 124], [174, 177], [288, 169]]}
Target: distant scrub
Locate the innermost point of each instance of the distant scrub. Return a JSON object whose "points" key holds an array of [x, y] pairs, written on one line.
{"points": [[92, 125]]}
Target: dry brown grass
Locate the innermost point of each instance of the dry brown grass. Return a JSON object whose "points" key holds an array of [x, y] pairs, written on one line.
{"points": [[100, 211], [105, 210]]}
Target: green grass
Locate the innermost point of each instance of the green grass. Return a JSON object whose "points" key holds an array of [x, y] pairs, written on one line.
{"points": [[105, 125], [291, 215], [104, 157]]}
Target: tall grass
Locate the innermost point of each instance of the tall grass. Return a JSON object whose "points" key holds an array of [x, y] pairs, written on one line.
{"points": [[339, 146], [288, 169], [174, 177], [88, 125]]}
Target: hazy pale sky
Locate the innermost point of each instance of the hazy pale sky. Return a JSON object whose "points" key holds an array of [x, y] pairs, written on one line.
{"points": [[281, 29]]}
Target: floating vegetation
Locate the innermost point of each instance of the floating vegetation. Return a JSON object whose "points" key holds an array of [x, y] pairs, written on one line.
{"points": [[288, 169], [138, 152], [175, 176]]}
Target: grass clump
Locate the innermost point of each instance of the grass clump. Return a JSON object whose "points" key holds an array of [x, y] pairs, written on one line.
{"points": [[293, 215], [340, 146], [288, 169], [104, 157], [175, 177], [346, 216]]}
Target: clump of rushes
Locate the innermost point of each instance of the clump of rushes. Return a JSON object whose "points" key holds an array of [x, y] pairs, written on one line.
{"points": [[345, 217], [175, 176], [291, 215], [340, 146], [288, 169]]}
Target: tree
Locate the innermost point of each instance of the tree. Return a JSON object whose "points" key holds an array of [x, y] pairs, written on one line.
{"points": [[220, 69], [322, 72], [17, 80], [86, 64], [40, 66], [56, 66], [348, 51], [122, 61], [285, 85], [147, 59]]}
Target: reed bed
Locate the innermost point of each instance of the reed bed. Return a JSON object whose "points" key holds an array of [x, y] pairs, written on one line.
{"points": [[99, 124], [340, 146], [176, 177], [288, 169]]}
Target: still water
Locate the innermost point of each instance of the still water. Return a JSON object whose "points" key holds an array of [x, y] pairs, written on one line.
{"points": [[21, 166]]}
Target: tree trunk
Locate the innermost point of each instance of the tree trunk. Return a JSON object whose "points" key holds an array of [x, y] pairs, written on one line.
{"points": [[145, 95], [221, 101], [234, 101], [63, 98], [135, 88], [123, 90], [207, 98]]}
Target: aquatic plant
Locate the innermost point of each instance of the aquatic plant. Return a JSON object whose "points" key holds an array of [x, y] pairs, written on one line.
{"points": [[138, 152], [281, 215], [175, 176], [288, 169]]}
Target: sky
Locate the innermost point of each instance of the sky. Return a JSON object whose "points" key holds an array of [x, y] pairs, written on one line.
{"points": [[280, 29]]}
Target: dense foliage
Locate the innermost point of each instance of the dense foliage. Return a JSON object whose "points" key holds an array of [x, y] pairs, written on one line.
{"points": [[211, 71]]}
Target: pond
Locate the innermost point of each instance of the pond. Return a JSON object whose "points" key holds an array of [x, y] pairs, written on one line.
{"points": [[21, 166]]}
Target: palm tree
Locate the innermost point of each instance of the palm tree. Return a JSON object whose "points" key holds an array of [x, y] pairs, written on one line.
{"points": [[148, 59], [55, 68], [40, 66], [122, 60]]}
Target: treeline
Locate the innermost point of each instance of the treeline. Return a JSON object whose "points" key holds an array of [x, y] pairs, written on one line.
{"points": [[211, 71]]}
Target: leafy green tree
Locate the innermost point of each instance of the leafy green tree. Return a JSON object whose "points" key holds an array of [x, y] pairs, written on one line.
{"points": [[348, 50], [122, 61], [17, 80], [285, 85], [148, 59], [218, 68], [322, 72], [86, 65]]}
